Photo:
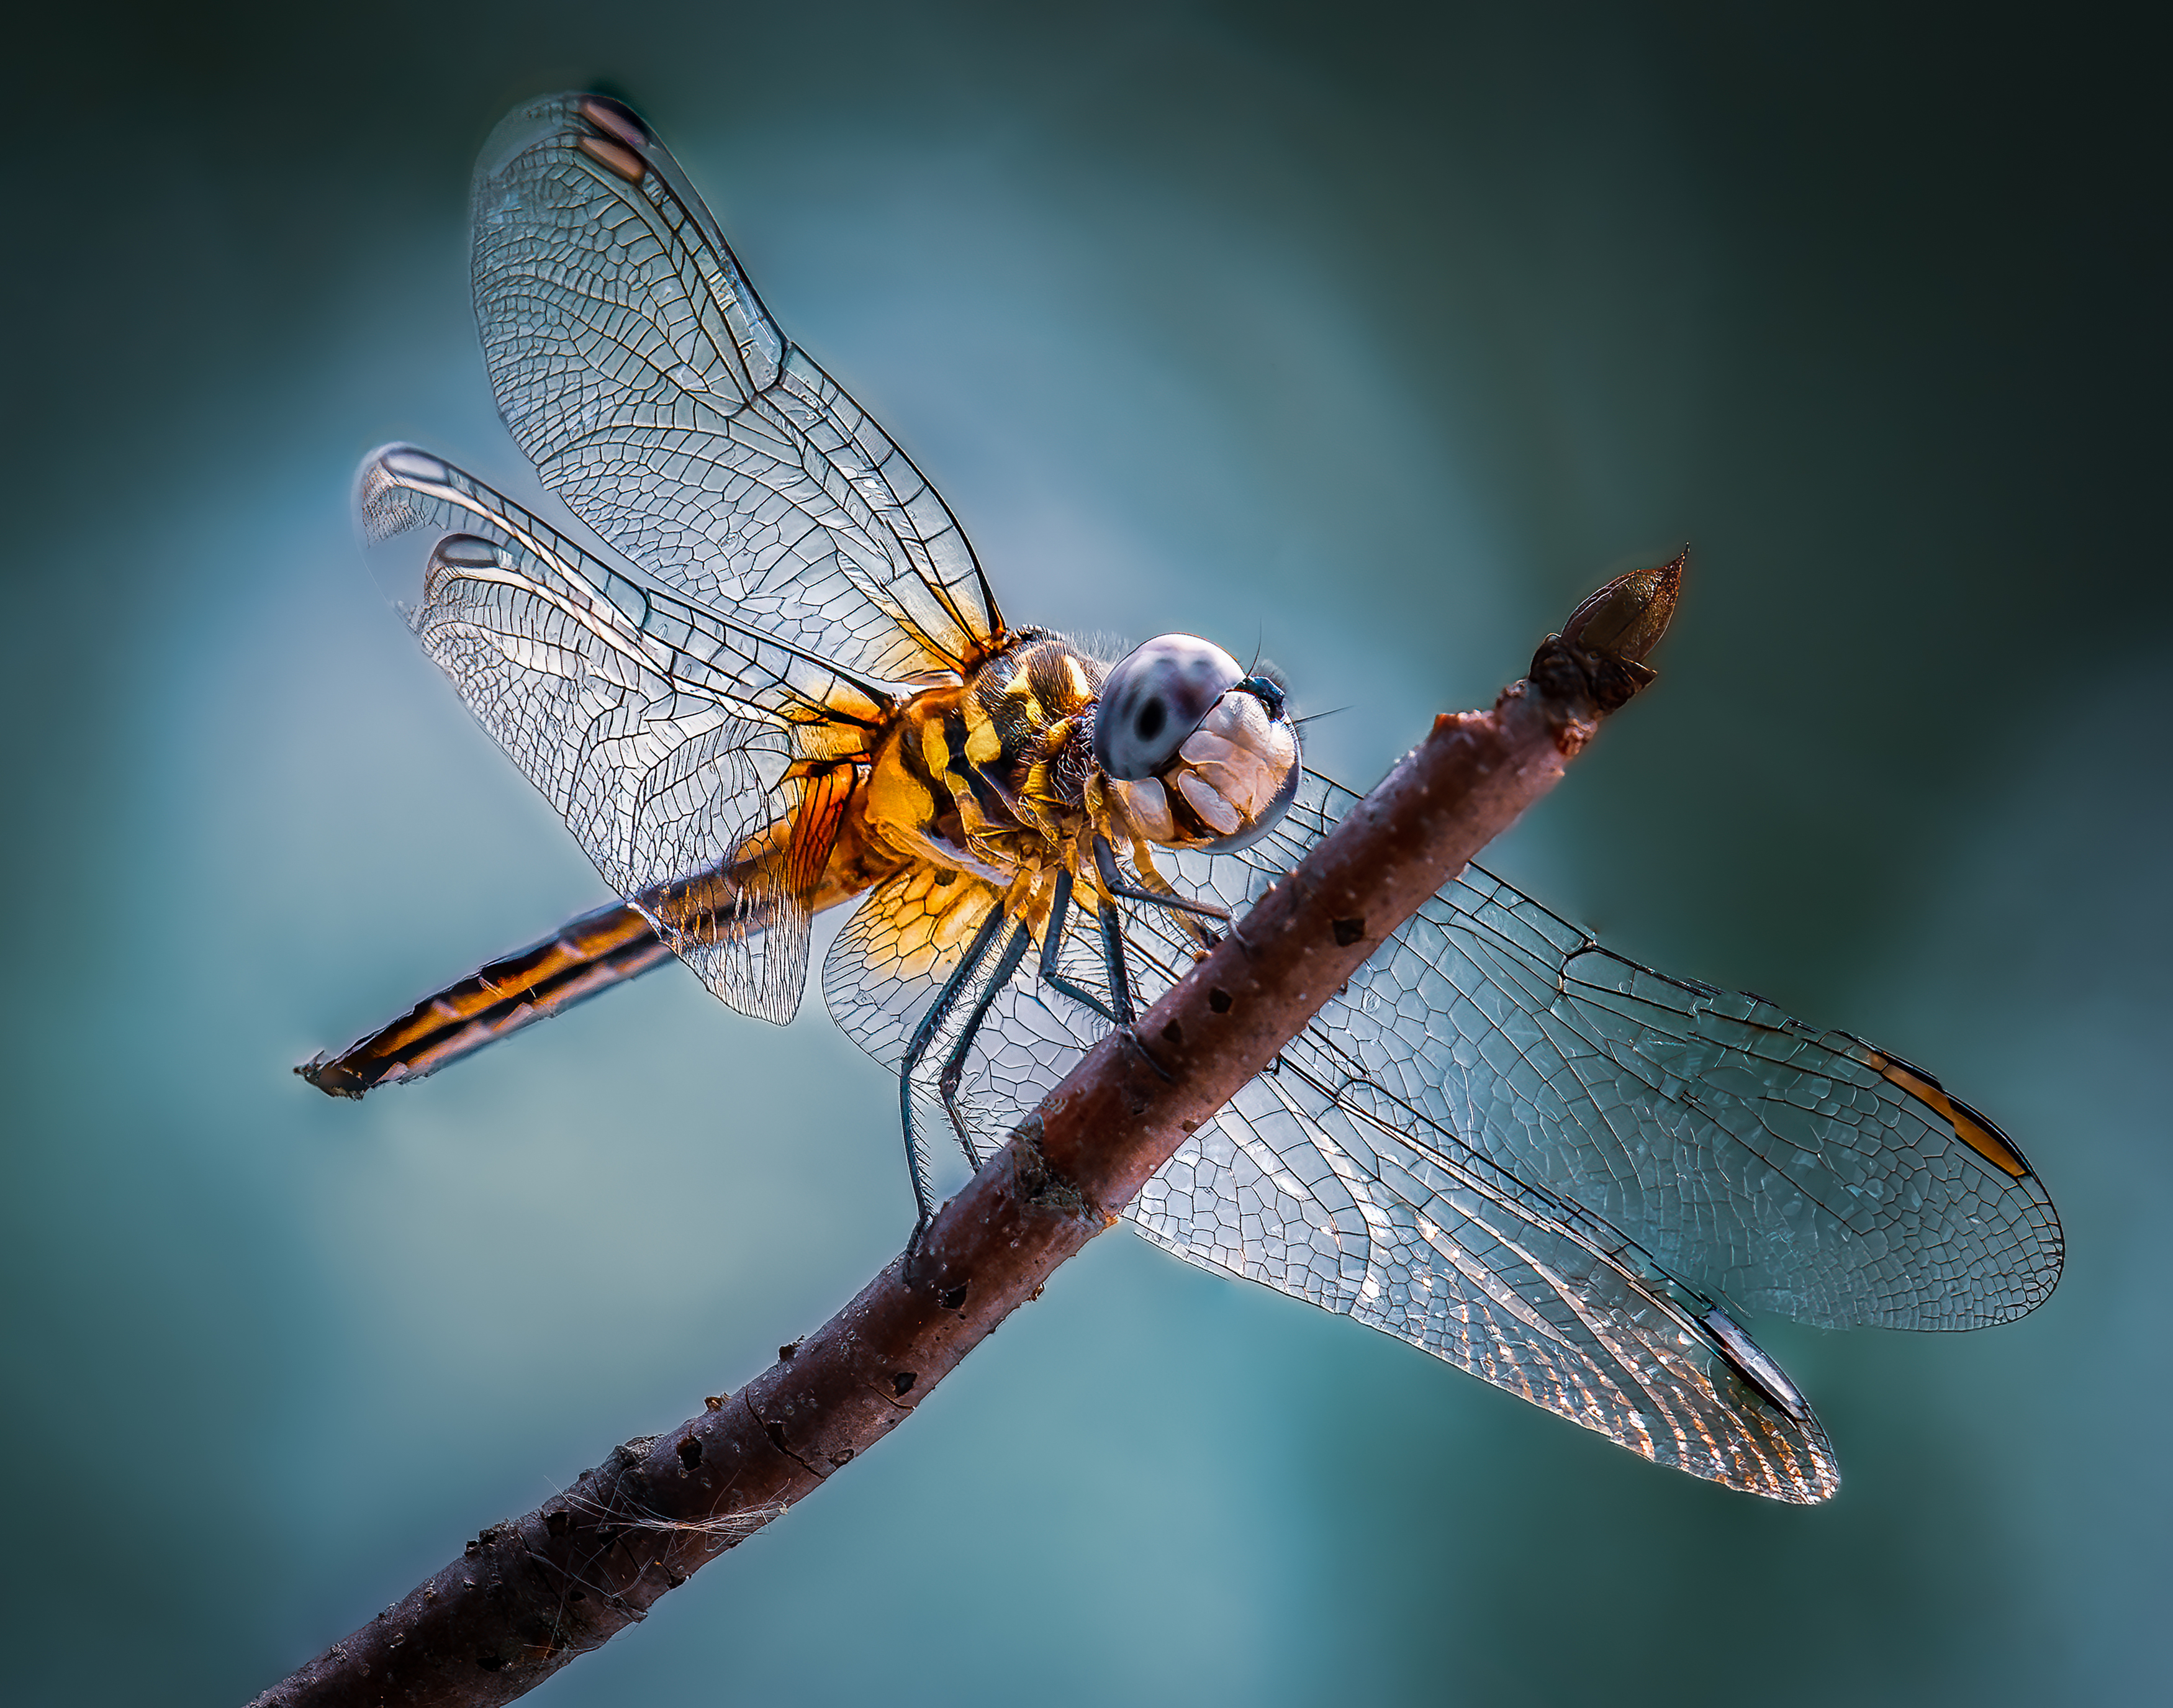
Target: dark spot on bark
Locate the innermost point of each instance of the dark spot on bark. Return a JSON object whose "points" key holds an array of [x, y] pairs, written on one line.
{"points": [[1173, 1033], [690, 1452], [901, 1383], [714, 1402], [577, 1595], [1347, 931], [556, 1522], [786, 1352], [951, 1298], [490, 1663], [775, 1432], [1219, 1001], [843, 1459], [472, 1550]]}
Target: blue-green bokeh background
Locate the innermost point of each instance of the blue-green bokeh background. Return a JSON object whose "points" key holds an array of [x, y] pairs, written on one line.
{"points": [[1374, 336]]}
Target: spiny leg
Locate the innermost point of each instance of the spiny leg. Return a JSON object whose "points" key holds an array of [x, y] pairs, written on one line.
{"points": [[1113, 948], [954, 1066], [1113, 881], [1052, 945], [923, 1036], [1113, 958]]}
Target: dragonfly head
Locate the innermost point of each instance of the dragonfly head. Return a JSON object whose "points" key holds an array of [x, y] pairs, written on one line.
{"points": [[1201, 753]]}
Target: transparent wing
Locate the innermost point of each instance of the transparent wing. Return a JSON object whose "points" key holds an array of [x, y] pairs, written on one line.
{"points": [[675, 744], [641, 374], [1751, 1157], [1543, 1163], [1319, 1195], [1307, 1191]]}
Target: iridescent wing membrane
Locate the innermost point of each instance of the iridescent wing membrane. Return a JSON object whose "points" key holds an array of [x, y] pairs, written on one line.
{"points": [[1753, 1158], [888, 965], [1516, 1151], [1314, 1183]]}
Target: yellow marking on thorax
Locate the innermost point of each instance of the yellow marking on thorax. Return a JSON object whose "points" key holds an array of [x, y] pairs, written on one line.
{"points": [[894, 802], [895, 795], [985, 804], [933, 750], [914, 805], [1020, 689], [984, 746]]}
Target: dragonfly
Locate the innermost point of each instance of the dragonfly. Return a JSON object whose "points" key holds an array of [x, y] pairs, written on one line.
{"points": [[777, 680]]}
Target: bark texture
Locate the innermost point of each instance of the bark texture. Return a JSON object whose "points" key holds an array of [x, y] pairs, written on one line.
{"points": [[528, 1594]]}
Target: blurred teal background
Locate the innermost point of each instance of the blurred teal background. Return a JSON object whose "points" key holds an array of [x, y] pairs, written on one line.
{"points": [[1373, 336]]}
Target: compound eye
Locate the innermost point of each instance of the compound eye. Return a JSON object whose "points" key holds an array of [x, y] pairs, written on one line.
{"points": [[1156, 697]]}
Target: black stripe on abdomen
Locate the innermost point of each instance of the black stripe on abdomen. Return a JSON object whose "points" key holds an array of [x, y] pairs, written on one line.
{"points": [[584, 957]]}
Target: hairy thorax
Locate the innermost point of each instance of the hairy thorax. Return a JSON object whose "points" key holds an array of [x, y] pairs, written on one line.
{"points": [[990, 776]]}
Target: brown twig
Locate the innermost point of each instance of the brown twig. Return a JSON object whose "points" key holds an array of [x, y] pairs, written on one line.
{"points": [[530, 1594]]}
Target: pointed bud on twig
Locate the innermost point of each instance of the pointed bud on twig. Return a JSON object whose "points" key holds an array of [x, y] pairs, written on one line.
{"points": [[1624, 619]]}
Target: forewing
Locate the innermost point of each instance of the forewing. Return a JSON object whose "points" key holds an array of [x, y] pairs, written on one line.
{"points": [[1753, 1158], [661, 734], [644, 378]]}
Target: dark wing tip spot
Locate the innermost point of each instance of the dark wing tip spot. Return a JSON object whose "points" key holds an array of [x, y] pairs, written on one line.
{"points": [[616, 119], [623, 162]]}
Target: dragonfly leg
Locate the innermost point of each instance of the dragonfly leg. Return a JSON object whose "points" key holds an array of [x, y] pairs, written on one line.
{"points": [[1052, 945], [916, 1052], [1112, 957], [1113, 881], [954, 1066]]}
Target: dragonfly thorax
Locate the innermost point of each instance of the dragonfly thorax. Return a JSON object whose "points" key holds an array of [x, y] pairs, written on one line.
{"points": [[990, 774]]}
